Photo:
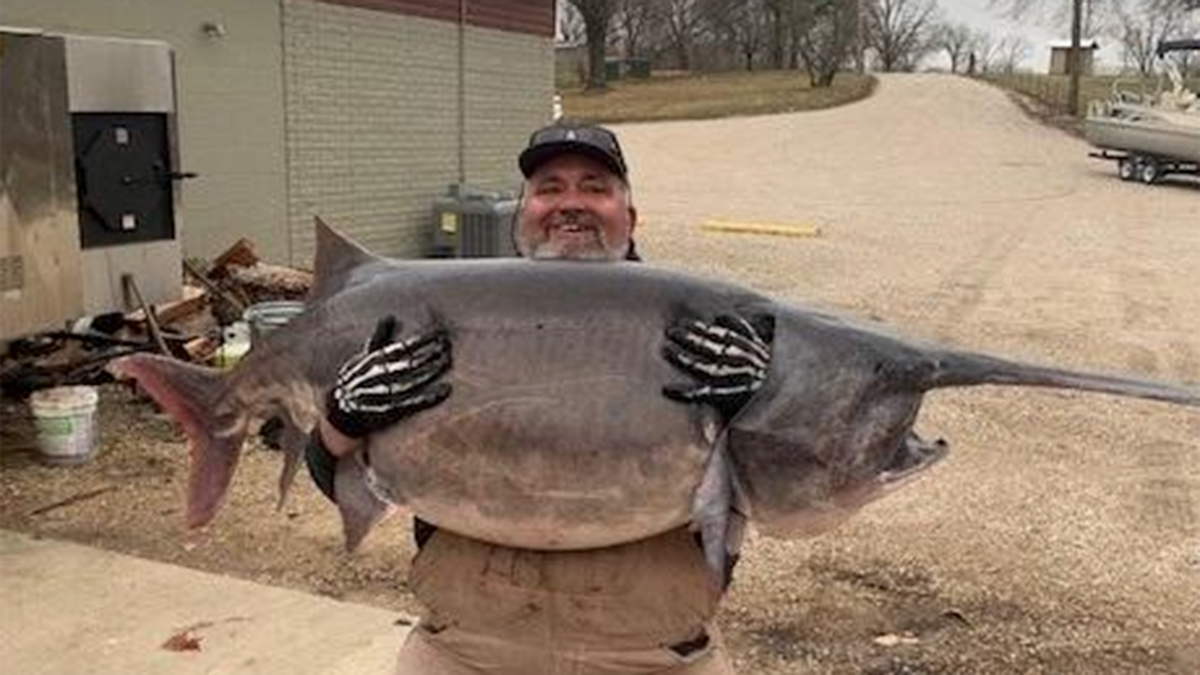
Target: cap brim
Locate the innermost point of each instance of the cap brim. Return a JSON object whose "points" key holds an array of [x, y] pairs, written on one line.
{"points": [[534, 157]]}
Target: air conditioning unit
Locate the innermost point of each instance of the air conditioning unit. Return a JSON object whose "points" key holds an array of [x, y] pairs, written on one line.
{"points": [[473, 224]]}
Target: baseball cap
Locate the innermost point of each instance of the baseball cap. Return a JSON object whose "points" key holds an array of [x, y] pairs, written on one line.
{"points": [[566, 137]]}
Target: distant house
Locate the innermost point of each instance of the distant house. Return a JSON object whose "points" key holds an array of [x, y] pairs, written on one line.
{"points": [[1060, 51]]}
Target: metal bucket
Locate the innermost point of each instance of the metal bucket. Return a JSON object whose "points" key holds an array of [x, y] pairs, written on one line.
{"points": [[265, 317]]}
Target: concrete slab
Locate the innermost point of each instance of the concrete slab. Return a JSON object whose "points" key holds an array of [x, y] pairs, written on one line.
{"points": [[66, 609]]}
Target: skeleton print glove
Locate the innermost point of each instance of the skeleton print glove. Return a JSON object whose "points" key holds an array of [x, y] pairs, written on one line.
{"points": [[727, 359], [388, 380]]}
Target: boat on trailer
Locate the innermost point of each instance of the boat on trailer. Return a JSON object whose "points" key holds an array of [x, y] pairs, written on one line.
{"points": [[1149, 135]]}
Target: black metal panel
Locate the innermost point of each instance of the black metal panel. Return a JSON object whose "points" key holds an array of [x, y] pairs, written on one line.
{"points": [[123, 178]]}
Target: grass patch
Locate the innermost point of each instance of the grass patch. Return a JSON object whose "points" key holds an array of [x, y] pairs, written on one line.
{"points": [[712, 95]]}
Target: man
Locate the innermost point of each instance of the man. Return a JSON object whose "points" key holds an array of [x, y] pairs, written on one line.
{"points": [[644, 607]]}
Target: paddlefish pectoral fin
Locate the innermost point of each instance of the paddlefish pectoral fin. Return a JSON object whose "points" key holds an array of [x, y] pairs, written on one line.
{"points": [[715, 512], [191, 395], [363, 500], [293, 439]]}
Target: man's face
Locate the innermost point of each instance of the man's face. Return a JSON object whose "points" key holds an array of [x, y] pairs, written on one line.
{"points": [[574, 207]]}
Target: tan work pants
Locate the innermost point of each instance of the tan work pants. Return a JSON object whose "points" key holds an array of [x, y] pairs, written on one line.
{"points": [[640, 608]]}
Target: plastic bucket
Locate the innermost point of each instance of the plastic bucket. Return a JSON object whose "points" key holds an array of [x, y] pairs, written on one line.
{"points": [[64, 420], [265, 317], [235, 342]]}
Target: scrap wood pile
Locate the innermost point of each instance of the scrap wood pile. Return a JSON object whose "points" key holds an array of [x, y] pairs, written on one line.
{"points": [[215, 295]]}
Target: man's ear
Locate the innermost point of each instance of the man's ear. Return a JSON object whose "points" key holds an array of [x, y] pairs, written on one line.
{"points": [[633, 219]]}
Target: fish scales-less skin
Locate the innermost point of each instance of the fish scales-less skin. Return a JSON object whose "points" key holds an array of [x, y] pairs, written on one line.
{"points": [[556, 435], [808, 453]]}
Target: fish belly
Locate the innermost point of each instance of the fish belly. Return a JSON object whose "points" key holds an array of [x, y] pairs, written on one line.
{"points": [[544, 456]]}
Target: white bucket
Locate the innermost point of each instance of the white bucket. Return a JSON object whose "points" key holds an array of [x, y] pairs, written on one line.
{"points": [[235, 342], [64, 420]]}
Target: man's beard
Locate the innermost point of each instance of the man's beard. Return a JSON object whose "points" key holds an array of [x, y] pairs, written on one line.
{"points": [[590, 244], [590, 250]]}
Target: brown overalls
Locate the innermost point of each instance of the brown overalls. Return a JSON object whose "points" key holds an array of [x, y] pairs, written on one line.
{"points": [[638, 608]]}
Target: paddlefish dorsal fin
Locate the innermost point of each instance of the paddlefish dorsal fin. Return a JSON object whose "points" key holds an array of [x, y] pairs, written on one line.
{"points": [[336, 259]]}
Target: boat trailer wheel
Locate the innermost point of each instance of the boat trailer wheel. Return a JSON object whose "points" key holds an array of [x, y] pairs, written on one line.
{"points": [[1127, 168], [1150, 171]]}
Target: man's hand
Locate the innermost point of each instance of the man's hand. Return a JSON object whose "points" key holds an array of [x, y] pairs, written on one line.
{"points": [[727, 359], [376, 388], [388, 380]]}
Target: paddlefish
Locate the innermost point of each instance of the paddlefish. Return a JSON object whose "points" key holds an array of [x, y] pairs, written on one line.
{"points": [[556, 435]]}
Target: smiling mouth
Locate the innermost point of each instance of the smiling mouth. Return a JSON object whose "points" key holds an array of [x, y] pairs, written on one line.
{"points": [[573, 228]]}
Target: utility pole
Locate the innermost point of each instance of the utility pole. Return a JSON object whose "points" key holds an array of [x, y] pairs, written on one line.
{"points": [[1073, 60]]}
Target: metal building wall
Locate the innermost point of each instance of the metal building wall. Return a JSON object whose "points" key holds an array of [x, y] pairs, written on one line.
{"points": [[230, 105], [39, 243]]}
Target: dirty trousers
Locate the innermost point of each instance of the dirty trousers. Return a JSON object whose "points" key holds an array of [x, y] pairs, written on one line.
{"points": [[637, 609]]}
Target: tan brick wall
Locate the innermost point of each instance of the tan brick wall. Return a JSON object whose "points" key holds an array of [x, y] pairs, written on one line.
{"points": [[372, 102], [510, 91], [230, 105]]}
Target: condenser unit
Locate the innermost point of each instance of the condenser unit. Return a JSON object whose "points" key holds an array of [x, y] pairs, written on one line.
{"points": [[473, 224]]}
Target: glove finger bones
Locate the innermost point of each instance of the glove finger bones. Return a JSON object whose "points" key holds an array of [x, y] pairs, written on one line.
{"points": [[388, 388], [425, 399], [722, 343], [741, 326], [728, 373], [368, 362]]}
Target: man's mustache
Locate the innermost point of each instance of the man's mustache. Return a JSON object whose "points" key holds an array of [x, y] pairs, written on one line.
{"points": [[576, 218]]}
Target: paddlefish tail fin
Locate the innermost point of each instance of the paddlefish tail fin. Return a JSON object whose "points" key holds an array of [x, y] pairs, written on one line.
{"points": [[192, 395]]}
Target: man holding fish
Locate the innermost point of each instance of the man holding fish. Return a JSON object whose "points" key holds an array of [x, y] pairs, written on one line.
{"points": [[642, 607]]}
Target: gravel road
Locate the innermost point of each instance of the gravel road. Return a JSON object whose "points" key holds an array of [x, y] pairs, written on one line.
{"points": [[1063, 533]]}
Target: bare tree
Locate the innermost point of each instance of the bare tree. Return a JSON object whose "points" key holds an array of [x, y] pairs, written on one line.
{"points": [[985, 49], [682, 19], [571, 28], [742, 24], [900, 31], [634, 20], [596, 16], [781, 22], [955, 40], [1140, 30], [1010, 52], [1176, 5], [825, 34]]}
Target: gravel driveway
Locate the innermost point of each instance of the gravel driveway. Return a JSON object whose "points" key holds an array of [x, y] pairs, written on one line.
{"points": [[1063, 533]]}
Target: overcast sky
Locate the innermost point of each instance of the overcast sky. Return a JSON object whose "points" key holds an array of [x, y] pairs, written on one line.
{"points": [[1038, 31]]}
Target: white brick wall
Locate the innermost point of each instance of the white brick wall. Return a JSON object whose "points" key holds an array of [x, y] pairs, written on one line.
{"points": [[372, 121]]}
